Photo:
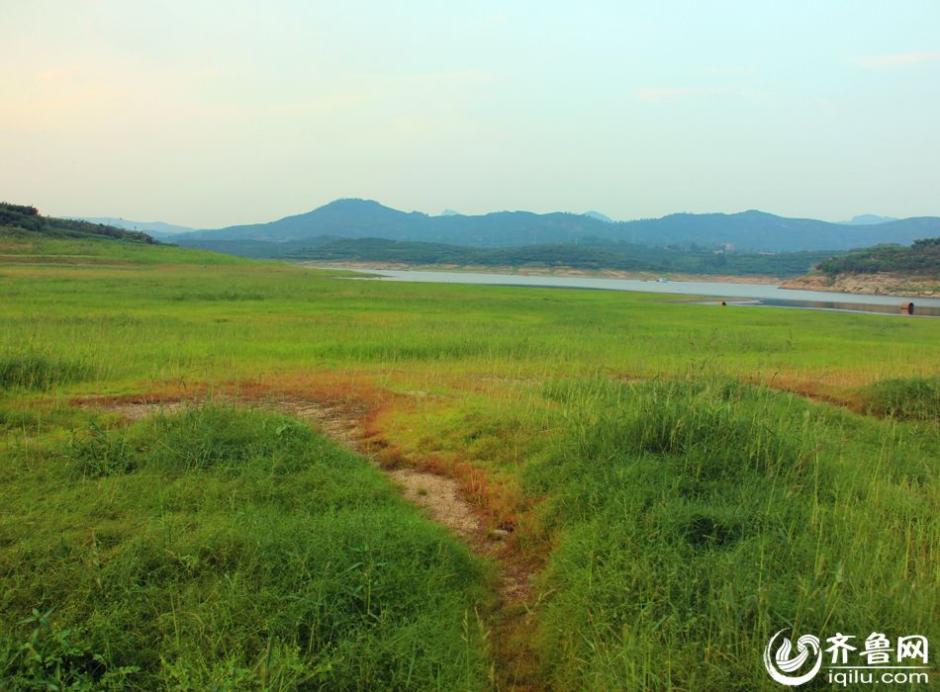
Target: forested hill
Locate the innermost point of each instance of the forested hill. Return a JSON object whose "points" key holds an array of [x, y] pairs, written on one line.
{"points": [[749, 230], [24, 218], [921, 258], [584, 256]]}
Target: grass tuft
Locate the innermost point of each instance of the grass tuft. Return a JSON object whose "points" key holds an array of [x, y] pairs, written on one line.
{"points": [[35, 370], [915, 398]]}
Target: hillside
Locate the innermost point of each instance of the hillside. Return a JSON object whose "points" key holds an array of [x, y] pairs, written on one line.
{"points": [[586, 256], [27, 237], [889, 269], [749, 230], [922, 257], [29, 219]]}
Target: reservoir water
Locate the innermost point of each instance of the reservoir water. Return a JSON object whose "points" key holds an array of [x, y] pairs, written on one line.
{"points": [[733, 293]]}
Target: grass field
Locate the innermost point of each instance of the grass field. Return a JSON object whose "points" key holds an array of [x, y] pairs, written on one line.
{"points": [[680, 481]]}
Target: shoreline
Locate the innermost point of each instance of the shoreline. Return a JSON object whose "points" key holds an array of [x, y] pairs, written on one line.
{"points": [[880, 284], [567, 272], [888, 285]]}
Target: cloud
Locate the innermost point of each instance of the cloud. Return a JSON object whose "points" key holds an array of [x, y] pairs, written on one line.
{"points": [[656, 94], [898, 59]]}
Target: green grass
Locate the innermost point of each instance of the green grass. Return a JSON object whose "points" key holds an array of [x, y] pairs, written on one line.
{"points": [[693, 520], [29, 369], [20, 246], [683, 507], [224, 548], [152, 322], [916, 398]]}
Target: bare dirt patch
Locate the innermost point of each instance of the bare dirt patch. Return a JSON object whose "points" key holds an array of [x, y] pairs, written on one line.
{"points": [[135, 407], [438, 497], [136, 411]]}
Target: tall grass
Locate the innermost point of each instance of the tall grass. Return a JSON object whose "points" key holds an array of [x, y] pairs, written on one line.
{"points": [[915, 398], [226, 549], [28, 369], [693, 520]]}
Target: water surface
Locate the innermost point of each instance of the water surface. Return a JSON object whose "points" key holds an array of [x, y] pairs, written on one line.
{"points": [[734, 293]]}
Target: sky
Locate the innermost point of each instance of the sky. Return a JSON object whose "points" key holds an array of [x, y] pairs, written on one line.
{"points": [[214, 113]]}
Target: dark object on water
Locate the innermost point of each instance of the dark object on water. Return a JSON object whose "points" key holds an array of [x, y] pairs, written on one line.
{"points": [[909, 308]]}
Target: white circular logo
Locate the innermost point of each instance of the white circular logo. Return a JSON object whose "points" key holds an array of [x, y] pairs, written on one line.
{"points": [[782, 666]]}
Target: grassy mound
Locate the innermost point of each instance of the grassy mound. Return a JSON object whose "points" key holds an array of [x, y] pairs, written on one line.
{"points": [[221, 548], [915, 398], [693, 521]]}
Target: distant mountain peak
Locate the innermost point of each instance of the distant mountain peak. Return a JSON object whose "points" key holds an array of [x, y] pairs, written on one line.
{"points": [[361, 207], [598, 216], [352, 203], [868, 220]]}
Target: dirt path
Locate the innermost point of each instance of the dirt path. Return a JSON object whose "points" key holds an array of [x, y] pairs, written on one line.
{"points": [[443, 501], [439, 497]]}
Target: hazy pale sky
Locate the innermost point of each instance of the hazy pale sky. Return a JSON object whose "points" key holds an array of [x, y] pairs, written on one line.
{"points": [[213, 113]]}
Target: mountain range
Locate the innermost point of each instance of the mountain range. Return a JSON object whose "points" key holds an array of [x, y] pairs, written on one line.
{"points": [[751, 231], [154, 228]]}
